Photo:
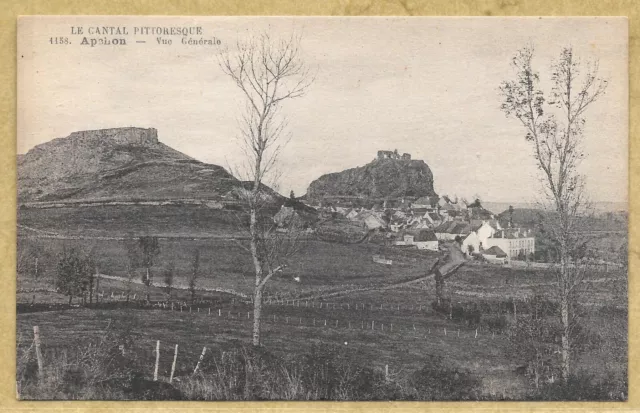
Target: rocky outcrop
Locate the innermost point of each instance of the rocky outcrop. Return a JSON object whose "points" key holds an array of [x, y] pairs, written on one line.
{"points": [[380, 179]]}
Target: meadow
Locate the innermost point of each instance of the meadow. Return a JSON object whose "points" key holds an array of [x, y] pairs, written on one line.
{"points": [[345, 307]]}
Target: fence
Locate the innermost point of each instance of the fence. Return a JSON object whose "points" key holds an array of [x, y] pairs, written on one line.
{"points": [[153, 352]]}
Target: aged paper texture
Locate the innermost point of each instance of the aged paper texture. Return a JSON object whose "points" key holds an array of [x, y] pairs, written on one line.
{"points": [[322, 209]]}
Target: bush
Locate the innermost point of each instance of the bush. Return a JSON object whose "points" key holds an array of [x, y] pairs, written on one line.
{"points": [[496, 323], [583, 387], [436, 381]]}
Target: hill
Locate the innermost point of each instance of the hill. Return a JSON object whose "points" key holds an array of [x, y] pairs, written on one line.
{"points": [[381, 179], [119, 164]]}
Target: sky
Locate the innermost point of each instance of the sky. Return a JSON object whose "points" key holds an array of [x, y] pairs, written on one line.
{"points": [[427, 86]]}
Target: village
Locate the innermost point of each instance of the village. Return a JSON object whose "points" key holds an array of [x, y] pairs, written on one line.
{"points": [[429, 222]]}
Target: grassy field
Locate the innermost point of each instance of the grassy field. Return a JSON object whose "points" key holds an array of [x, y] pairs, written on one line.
{"points": [[394, 327]]}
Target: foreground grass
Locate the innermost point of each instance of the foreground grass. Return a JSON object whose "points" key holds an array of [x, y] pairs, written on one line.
{"points": [[115, 362]]}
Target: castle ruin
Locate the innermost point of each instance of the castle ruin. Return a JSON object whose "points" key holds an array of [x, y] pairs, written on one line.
{"points": [[393, 155]]}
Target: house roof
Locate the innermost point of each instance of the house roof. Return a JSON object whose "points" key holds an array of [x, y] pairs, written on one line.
{"points": [[475, 227], [426, 200], [425, 235], [495, 250], [434, 216], [419, 211]]}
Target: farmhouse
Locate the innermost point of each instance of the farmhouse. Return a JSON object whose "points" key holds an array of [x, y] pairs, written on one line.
{"points": [[448, 231], [476, 241], [423, 239], [371, 221], [426, 240], [516, 244]]}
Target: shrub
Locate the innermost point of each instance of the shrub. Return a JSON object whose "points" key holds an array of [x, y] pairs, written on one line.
{"points": [[583, 387], [436, 381], [496, 323]]}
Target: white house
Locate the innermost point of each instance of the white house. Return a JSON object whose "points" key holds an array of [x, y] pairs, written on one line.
{"points": [[352, 214], [471, 243], [513, 243], [476, 241], [372, 221]]}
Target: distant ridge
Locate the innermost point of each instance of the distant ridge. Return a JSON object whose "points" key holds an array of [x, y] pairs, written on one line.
{"points": [[599, 207]]}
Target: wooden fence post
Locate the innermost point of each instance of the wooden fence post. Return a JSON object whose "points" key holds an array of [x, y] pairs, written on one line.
{"points": [[386, 372], [155, 370], [173, 365], [36, 339], [204, 349]]}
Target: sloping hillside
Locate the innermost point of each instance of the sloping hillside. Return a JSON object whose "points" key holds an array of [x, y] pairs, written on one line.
{"points": [[118, 164]]}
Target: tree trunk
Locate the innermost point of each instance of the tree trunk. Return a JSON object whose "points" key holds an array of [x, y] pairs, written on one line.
{"points": [[257, 313], [97, 286], [564, 309], [70, 298], [257, 299], [148, 284], [439, 288]]}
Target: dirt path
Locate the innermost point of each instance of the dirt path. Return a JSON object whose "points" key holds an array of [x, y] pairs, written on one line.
{"points": [[368, 289], [177, 286]]}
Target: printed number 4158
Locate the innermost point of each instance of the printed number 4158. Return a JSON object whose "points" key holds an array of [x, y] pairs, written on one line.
{"points": [[59, 40]]}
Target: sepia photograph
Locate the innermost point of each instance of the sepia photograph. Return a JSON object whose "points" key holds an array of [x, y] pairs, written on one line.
{"points": [[322, 208]]}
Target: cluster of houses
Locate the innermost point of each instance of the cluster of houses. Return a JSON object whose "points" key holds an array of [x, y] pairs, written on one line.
{"points": [[428, 222]]}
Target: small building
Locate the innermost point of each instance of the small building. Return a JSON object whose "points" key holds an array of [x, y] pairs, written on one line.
{"points": [[285, 217], [449, 230], [372, 221], [471, 244], [352, 214], [381, 259], [423, 239], [426, 239], [495, 255]]}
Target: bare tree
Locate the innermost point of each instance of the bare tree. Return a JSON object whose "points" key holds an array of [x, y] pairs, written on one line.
{"points": [[195, 273], [554, 126], [446, 267], [268, 72], [168, 280], [149, 248]]}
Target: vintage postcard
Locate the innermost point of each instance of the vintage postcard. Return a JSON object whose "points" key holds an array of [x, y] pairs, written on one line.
{"points": [[280, 208]]}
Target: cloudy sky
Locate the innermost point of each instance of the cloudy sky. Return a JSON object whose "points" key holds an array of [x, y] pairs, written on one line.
{"points": [[427, 86]]}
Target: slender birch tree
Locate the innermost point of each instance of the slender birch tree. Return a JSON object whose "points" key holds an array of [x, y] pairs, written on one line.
{"points": [[554, 125], [268, 73]]}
